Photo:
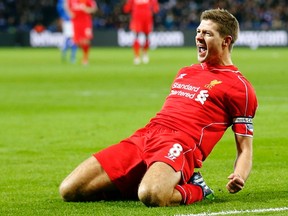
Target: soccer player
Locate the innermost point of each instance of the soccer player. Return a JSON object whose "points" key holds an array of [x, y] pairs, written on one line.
{"points": [[81, 12], [67, 29], [141, 21], [157, 163]]}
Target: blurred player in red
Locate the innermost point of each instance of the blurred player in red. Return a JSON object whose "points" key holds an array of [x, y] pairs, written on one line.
{"points": [[81, 13], [141, 21]]}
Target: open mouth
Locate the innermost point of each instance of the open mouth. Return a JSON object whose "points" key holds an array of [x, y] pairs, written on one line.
{"points": [[202, 49]]}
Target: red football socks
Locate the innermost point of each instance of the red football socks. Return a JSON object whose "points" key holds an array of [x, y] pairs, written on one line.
{"points": [[136, 48], [85, 49], [146, 45], [190, 193]]}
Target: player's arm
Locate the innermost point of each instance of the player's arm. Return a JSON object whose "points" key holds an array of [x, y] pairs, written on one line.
{"points": [[67, 9], [243, 106], [127, 8], [90, 9], [243, 163], [155, 6]]}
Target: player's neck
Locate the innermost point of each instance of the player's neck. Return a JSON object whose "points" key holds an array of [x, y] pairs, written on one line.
{"points": [[220, 62], [223, 60]]}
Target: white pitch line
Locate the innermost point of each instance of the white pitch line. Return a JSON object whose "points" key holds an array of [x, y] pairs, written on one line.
{"points": [[237, 212]]}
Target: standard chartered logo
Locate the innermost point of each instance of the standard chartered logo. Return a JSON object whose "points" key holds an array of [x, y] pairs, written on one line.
{"points": [[192, 92], [202, 96]]}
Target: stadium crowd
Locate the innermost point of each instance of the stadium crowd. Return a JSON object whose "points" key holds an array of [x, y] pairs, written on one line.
{"points": [[24, 15]]}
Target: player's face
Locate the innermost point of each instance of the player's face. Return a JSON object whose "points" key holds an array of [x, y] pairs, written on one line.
{"points": [[209, 43]]}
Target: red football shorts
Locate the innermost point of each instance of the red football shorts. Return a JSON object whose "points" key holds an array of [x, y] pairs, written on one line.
{"points": [[126, 162], [82, 31]]}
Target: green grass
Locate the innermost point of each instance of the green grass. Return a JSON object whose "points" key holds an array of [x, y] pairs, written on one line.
{"points": [[53, 115]]}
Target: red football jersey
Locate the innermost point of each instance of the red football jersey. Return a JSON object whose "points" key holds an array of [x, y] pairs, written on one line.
{"points": [[76, 5], [204, 101], [80, 15], [141, 9], [141, 14], [82, 21]]}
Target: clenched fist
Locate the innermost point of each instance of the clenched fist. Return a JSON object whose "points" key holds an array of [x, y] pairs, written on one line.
{"points": [[235, 184]]}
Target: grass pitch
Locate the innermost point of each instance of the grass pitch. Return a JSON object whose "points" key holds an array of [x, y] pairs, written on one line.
{"points": [[54, 114]]}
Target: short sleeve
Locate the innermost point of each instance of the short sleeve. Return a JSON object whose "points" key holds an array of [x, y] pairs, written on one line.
{"points": [[243, 105]]}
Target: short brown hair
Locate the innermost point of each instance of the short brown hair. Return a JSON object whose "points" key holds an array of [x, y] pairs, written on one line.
{"points": [[227, 23]]}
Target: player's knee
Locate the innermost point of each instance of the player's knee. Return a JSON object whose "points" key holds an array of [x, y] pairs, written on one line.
{"points": [[151, 196], [67, 192]]}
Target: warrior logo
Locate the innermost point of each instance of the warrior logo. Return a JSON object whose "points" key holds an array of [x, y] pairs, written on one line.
{"points": [[181, 76]]}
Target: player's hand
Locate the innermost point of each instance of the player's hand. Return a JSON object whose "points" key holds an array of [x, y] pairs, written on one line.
{"points": [[85, 9], [235, 184], [72, 15]]}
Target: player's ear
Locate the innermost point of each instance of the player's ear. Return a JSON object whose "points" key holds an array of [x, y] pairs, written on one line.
{"points": [[227, 41]]}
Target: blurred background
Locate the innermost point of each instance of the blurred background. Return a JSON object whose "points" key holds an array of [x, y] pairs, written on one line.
{"points": [[19, 17]]}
